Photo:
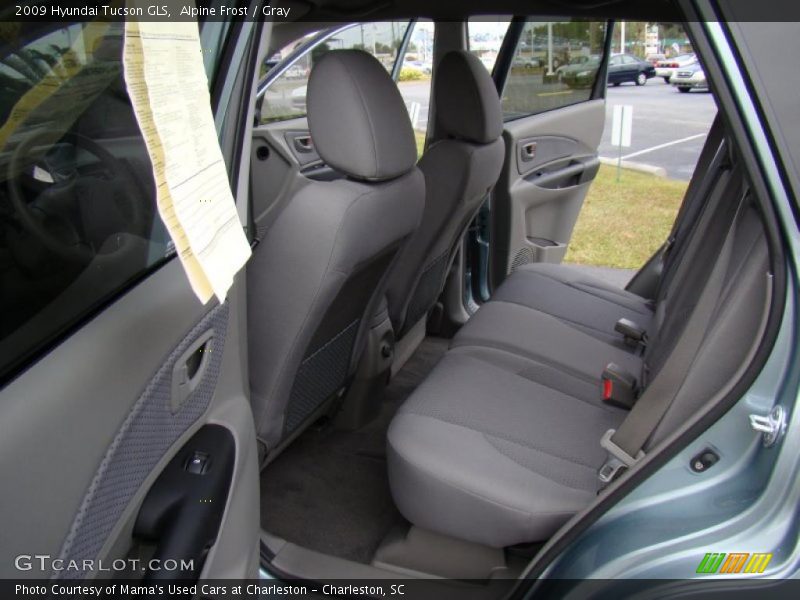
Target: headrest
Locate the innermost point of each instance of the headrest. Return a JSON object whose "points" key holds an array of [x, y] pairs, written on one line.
{"points": [[467, 104], [357, 118]]}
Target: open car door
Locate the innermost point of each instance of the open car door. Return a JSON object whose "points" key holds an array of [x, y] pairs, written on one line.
{"points": [[127, 446], [553, 79]]}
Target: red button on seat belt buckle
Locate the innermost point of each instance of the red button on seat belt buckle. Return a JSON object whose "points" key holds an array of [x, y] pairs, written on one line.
{"points": [[608, 389], [619, 387]]}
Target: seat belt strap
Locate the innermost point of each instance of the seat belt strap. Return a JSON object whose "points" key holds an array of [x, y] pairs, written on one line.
{"points": [[713, 161], [626, 443], [709, 162]]}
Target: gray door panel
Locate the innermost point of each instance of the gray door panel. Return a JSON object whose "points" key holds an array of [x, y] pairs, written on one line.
{"points": [[88, 428], [551, 159], [276, 157], [282, 158], [109, 362]]}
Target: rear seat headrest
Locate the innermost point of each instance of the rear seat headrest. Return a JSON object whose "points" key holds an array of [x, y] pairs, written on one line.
{"points": [[466, 99], [357, 118]]}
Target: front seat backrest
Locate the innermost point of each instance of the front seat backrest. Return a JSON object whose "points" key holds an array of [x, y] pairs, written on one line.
{"points": [[459, 170], [322, 265]]}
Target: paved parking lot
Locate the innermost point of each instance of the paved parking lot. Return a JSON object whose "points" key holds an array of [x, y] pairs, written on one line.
{"points": [[669, 128], [419, 93]]}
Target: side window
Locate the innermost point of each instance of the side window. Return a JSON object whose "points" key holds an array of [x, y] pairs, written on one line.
{"points": [[555, 64], [78, 218], [485, 36], [285, 96]]}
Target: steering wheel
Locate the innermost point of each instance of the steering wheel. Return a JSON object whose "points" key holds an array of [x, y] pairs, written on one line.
{"points": [[68, 243]]}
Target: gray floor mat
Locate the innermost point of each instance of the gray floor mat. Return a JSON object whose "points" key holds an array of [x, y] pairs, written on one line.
{"points": [[329, 490]]}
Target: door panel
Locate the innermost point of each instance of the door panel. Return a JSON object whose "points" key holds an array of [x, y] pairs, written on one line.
{"points": [[110, 363], [554, 119], [551, 159], [275, 167], [94, 423]]}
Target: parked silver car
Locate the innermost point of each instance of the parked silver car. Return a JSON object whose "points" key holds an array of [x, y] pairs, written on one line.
{"points": [[691, 77], [666, 68]]}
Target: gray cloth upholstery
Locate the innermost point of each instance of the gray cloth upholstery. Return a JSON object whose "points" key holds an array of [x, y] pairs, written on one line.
{"points": [[319, 274], [459, 173], [358, 121], [466, 99], [327, 232], [478, 452], [501, 445], [545, 339], [578, 299]]}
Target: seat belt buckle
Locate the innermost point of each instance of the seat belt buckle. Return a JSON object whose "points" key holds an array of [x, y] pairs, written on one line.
{"points": [[618, 387], [634, 335], [618, 460]]}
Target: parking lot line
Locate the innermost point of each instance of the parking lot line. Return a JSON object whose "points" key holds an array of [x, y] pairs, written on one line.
{"points": [[665, 145]]}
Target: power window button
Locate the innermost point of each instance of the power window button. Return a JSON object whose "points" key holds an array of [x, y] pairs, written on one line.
{"points": [[198, 463]]}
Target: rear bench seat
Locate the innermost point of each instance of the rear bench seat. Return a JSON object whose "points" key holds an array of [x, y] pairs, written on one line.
{"points": [[501, 444], [587, 303]]}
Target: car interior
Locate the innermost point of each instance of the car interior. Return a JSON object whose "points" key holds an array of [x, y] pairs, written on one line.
{"points": [[420, 434], [434, 394]]}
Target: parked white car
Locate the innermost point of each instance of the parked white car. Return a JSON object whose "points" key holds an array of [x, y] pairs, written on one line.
{"points": [[666, 68]]}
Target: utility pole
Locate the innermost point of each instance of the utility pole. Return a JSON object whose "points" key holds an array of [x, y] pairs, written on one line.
{"points": [[622, 37]]}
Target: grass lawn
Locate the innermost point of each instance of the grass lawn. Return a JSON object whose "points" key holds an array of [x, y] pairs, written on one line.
{"points": [[622, 224], [420, 135]]}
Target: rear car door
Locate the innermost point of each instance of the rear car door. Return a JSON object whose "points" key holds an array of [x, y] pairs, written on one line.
{"points": [[616, 69], [553, 126], [126, 436]]}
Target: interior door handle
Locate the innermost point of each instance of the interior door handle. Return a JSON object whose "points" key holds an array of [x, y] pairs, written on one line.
{"points": [[303, 144], [189, 369], [529, 151]]}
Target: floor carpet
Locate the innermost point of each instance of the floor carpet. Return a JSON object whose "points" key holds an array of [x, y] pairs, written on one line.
{"points": [[329, 490]]}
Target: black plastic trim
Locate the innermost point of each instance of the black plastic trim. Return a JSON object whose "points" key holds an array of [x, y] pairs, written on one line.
{"points": [[182, 512], [502, 65]]}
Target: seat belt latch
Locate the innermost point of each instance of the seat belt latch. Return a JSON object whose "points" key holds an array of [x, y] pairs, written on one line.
{"points": [[618, 460], [618, 387], [634, 335]]}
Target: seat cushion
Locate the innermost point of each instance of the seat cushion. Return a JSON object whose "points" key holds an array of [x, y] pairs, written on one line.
{"points": [[584, 302], [533, 452], [561, 354]]}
